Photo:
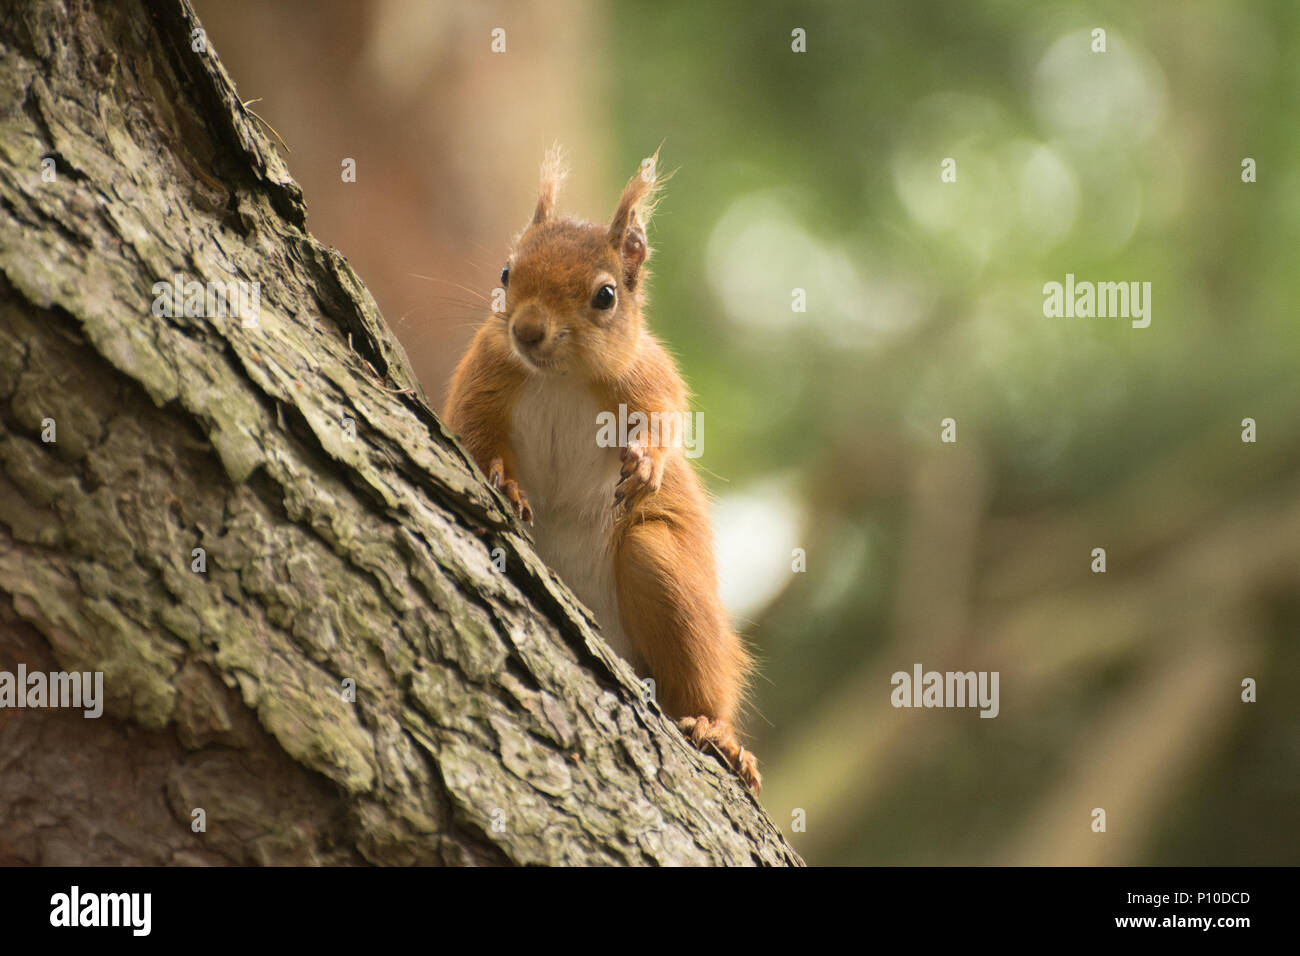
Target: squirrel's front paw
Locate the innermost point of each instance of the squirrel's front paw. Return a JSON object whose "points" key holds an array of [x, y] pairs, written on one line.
{"points": [[703, 730], [510, 488], [642, 474]]}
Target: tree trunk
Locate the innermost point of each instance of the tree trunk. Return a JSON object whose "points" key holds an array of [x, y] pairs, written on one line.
{"points": [[236, 525]]}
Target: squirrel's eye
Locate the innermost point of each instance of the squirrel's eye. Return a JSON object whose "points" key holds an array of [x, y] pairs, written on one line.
{"points": [[604, 297], [505, 277]]}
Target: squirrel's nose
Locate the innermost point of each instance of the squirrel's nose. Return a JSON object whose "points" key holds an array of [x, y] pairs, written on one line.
{"points": [[528, 334]]}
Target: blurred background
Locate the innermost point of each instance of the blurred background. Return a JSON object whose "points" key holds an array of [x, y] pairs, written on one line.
{"points": [[821, 171]]}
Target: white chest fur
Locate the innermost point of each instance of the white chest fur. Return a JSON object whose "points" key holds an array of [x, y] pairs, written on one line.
{"points": [[570, 480]]}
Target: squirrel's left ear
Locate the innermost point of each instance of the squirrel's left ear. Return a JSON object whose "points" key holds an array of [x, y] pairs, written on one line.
{"points": [[553, 173], [627, 229]]}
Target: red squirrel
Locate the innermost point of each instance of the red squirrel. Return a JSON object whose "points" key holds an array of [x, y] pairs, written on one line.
{"points": [[627, 528]]}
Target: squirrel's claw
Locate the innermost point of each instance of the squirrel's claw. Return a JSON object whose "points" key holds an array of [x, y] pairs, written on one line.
{"points": [[510, 488], [640, 475], [702, 731]]}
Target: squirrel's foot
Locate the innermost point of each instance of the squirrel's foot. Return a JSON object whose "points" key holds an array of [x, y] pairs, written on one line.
{"points": [[510, 488], [642, 474], [704, 730]]}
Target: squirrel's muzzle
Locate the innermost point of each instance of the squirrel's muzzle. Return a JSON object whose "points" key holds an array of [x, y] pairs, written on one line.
{"points": [[529, 334], [531, 331]]}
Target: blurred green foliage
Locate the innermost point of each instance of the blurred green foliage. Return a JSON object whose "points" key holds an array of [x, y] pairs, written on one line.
{"points": [[821, 171]]}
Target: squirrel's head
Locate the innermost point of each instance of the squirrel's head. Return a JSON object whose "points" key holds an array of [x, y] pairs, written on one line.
{"points": [[574, 290]]}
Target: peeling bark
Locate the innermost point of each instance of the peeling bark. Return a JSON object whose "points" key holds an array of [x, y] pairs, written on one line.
{"points": [[491, 723]]}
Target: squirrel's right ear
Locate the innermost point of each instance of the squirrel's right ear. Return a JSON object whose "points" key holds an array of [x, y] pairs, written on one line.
{"points": [[627, 229], [553, 173]]}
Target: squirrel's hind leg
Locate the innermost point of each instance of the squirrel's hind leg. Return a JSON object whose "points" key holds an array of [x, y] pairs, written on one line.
{"points": [[702, 731]]}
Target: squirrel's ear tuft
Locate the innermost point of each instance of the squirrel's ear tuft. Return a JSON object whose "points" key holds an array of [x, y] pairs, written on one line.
{"points": [[554, 172], [627, 228]]}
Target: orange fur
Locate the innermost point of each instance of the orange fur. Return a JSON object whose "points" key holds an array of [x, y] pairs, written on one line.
{"points": [[555, 345]]}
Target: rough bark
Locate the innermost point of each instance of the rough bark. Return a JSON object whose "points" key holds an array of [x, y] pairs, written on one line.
{"points": [[491, 724]]}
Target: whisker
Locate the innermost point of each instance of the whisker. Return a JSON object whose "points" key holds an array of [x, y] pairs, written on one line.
{"points": [[463, 288]]}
